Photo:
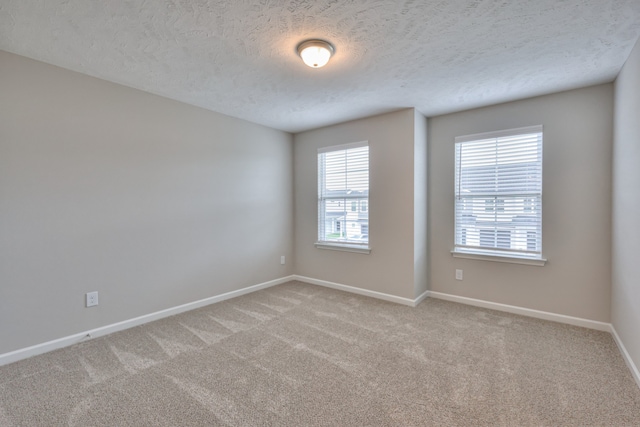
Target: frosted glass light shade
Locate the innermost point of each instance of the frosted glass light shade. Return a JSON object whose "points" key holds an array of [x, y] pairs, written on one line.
{"points": [[315, 53]]}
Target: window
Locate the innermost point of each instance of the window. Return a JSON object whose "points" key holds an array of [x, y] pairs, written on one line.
{"points": [[498, 194], [343, 185]]}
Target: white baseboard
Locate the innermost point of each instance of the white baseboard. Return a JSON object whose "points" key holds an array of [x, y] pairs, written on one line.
{"points": [[561, 318], [365, 292], [27, 352], [422, 297], [626, 356], [34, 350]]}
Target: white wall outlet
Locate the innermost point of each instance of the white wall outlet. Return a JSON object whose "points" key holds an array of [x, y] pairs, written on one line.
{"points": [[282, 260], [458, 274], [92, 299]]}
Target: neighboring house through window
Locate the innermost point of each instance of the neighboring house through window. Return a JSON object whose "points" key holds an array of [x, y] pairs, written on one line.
{"points": [[343, 196], [498, 194]]}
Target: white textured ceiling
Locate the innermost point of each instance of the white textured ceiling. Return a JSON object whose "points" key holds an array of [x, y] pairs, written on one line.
{"points": [[237, 57]]}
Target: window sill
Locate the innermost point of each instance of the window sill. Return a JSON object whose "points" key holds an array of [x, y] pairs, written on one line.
{"points": [[496, 258], [344, 247]]}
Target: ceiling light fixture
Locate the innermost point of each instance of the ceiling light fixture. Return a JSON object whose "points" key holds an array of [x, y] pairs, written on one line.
{"points": [[315, 53]]}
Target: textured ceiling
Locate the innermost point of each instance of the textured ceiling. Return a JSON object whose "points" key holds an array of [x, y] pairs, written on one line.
{"points": [[237, 57]]}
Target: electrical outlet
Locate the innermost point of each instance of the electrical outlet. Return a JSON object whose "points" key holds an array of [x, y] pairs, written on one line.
{"points": [[458, 274], [92, 299], [282, 260]]}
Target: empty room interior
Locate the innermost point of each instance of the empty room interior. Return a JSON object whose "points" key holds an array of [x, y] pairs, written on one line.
{"points": [[202, 224]]}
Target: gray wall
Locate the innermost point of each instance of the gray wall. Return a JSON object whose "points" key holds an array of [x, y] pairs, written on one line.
{"points": [[420, 205], [151, 202], [625, 298], [576, 206], [155, 203], [390, 268]]}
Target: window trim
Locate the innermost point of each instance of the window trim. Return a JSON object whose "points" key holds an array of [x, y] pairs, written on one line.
{"points": [[486, 254], [345, 247], [540, 262]]}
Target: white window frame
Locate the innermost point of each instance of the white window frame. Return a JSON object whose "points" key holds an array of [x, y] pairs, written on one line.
{"points": [[503, 249], [361, 244]]}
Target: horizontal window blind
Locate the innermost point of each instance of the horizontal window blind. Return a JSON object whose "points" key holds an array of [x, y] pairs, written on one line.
{"points": [[343, 194], [498, 193]]}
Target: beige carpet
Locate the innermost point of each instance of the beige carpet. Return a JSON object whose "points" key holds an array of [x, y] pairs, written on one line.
{"points": [[300, 355]]}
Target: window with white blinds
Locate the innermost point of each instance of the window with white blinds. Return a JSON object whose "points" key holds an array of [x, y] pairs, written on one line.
{"points": [[498, 193], [343, 195]]}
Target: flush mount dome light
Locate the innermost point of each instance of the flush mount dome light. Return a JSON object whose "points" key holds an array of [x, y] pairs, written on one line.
{"points": [[315, 53]]}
